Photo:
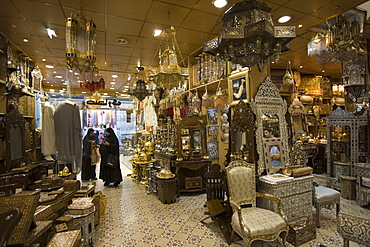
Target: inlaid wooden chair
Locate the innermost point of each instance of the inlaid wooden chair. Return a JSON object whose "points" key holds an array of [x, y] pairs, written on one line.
{"points": [[249, 221]]}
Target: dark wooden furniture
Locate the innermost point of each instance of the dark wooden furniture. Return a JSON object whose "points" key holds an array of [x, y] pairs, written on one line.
{"points": [[167, 190], [9, 221], [190, 175]]}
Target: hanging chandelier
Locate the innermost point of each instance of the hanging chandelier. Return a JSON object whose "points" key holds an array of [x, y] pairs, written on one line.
{"points": [[140, 91], [80, 43], [248, 35], [340, 38], [169, 74]]}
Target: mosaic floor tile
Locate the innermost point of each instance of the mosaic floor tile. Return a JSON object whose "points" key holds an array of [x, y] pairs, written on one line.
{"points": [[135, 218]]}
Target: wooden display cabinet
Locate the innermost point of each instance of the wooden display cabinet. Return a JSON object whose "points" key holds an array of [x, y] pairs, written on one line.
{"points": [[347, 142], [191, 139]]}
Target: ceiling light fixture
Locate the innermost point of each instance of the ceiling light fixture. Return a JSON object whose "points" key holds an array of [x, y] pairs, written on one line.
{"points": [[169, 73], [250, 42], [121, 41], [300, 25], [58, 76], [114, 76], [157, 32], [43, 59], [49, 66], [284, 19], [51, 33], [219, 3], [25, 40], [81, 46]]}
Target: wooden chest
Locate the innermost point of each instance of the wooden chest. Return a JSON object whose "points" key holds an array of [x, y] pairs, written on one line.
{"points": [[66, 239], [301, 231], [295, 195]]}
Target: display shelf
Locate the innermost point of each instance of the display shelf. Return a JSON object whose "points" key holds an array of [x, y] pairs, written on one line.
{"points": [[347, 137], [211, 86]]}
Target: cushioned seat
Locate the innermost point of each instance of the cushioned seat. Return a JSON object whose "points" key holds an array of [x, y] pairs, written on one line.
{"points": [[259, 222], [326, 197], [249, 221]]}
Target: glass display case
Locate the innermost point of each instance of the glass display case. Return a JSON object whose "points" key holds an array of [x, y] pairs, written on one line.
{"points": [[347, 142], [191, 139]]}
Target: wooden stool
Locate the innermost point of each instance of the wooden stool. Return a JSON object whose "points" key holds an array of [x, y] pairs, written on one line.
{"points": [[348, 187], [167, 190]]}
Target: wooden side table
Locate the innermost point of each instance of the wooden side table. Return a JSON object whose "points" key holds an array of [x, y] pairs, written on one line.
{"points": [[348, 187], [167, 190]]}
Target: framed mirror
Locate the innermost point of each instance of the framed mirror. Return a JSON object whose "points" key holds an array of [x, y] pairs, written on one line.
{"points": [[271, 127]]}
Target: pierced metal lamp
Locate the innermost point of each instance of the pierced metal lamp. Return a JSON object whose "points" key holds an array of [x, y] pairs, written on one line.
{"points": [[248, 35], [169, 74], [140, 92]]}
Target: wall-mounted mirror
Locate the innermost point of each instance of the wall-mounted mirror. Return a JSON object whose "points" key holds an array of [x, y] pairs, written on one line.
{"points": [[273, 154], [271, 132]]}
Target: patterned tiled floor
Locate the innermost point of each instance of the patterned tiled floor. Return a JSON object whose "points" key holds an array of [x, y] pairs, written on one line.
{"points": [[135, 218]]}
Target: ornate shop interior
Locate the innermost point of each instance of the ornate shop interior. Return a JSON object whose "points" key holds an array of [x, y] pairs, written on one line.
{"points": [[261, 122]]}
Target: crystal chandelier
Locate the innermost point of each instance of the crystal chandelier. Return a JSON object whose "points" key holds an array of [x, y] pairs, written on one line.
{"points": [[248, 36], [140, 92], [80, 44], [169, 74]]}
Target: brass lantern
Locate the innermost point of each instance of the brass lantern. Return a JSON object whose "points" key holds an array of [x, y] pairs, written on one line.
{"points": [[80, 43]]}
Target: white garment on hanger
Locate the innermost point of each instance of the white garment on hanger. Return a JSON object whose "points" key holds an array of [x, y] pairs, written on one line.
{"points": [[48, 145]]}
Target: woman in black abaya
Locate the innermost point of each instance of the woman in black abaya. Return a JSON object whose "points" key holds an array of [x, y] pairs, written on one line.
{"points": [[110, 174], [88, 170]]}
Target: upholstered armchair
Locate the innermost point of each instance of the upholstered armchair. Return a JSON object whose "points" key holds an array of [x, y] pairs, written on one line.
{"points": [[249, 221]]}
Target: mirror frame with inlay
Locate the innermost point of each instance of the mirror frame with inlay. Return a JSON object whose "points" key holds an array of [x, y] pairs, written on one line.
{"points": [[268, 102]]}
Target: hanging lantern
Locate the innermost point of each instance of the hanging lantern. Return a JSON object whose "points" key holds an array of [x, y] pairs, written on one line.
{"points": [[140, 92], [169, 74], [80, 43], [248, 36]]}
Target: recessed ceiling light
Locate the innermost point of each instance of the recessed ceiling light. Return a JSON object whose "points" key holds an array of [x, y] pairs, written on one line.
{"points": [[13, 26], [58, 76], [300, 66], [284, 19], [25, 40], [219, 3], [157, 32], [105, 93], [54, 72], [83, 92], [49, 66], [112, 88], [116, 66], [112, 83], [43, 59], [115, 76], [300, 25], [52, 90], [323, 71], [47, 82], [121, 41]]}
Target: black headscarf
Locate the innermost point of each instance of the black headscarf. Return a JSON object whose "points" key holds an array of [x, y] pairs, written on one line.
{"points": [[113, 138], [87, 142]]}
